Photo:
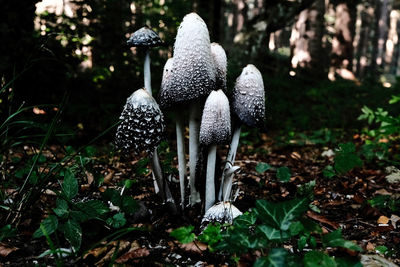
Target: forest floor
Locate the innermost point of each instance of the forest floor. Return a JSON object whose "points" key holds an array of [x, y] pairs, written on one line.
{"points": [[339, 202]]}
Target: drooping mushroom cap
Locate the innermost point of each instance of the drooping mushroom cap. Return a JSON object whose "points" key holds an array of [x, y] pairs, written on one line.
{"points": [[142, 125], [249, 96], [144, 37], [193, 72], [219, 57], [215, 125], [222, 212]]}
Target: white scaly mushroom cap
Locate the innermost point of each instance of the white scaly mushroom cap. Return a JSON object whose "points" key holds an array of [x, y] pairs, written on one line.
{"points": [[248, 98], [215, 125], [220, 63], [144, 37], [142, 123], [193, 72], [167, 72], [222, 212]]}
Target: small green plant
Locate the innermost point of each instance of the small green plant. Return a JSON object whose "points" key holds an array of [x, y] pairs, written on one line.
{"points": [[266, 228], [385, 202], [346, 159]]}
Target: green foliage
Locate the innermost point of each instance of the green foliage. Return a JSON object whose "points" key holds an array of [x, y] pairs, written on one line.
{"points": [[184, 234], [283, 174], [346, 158], [266, 228], [385, 202], [7, 231], [335, 239], [262, 167]]}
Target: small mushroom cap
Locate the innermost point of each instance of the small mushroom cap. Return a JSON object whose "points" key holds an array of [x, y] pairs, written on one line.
{"points": [[167, 72], [193, 73], [215, 125], [142, 125], [249, 96], [144, 37], [220, 62], [222, 212]]}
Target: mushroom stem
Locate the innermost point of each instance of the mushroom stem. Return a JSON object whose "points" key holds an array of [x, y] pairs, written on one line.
{"points": [[180, 143], [147, 76], [227, 176], [210, 186], [194, 129], [162, 185]]}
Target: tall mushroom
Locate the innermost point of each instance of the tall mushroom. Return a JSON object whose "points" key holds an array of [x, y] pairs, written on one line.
{"points": [[146, 38], [215, 129], [248, 103], [192, 77], [141, 129], [220, 64]]}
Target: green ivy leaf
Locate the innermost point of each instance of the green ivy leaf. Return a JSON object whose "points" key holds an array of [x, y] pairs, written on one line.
{"points": [[318, 259], [70, 185], [117, 221], [283, 174], [184, 234], [335, 239], [346, 159], [73, 233], [277, 257], [280, 215], [272, 234], [262, 167], [329, 172], [211, 235], [47, 226], [61, 209]]}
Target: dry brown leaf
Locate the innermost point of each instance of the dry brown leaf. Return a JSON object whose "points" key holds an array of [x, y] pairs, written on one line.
{"points": [[133, 253], [122, 245], [322, 219], [383, 220], [6, 249], [108, 177], [90, 177], [295, 155], [197, 247], [382, 192], [370, 247]]}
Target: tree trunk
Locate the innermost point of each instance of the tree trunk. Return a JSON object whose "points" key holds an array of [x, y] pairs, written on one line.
{"points": [[306, 40], [342, 44]]}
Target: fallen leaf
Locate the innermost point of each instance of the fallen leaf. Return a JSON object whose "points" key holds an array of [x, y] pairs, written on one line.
{"points": [[197, 247], [383, 220], [370, 247], [90, 177], [394, 219], [108, 177], [133, 253], [295, 155], [6, 249], [322, 219]]}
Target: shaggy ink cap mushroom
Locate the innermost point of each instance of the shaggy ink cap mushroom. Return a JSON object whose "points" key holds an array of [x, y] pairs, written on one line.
{"points": [[216, 120], [220, 62], [166, 73], [144, 37], [142, 123], [249, 96], [192, 74]]}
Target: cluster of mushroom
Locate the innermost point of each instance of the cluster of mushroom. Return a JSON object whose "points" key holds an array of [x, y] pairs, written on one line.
{"points": [[193, 82]]}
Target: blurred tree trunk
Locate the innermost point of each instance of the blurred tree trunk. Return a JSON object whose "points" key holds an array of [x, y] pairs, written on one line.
{"points": [[306, 40], [342, 44], [364, 44], [392, 43]]}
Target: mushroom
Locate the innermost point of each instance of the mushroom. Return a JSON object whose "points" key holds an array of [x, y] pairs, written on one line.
{"points": [[141, 129], [145, 37], [248, 103], [192, 77], [215, 129], [222, 212], [220, 62]]}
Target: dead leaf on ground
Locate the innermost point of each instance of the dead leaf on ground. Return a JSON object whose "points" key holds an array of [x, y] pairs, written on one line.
{"points": [[370, 247], [197, 247], [383, 220], [322, 219], [394, 219], [133, 253], [108, 177], [121, 246], [6, 249]]}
